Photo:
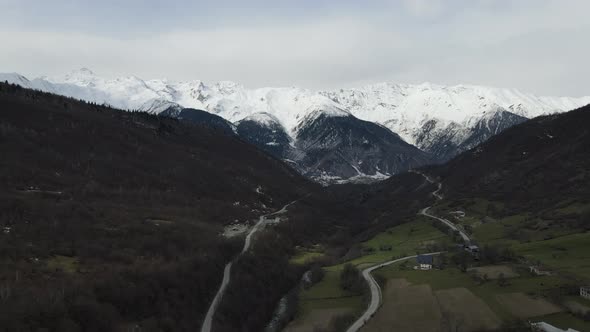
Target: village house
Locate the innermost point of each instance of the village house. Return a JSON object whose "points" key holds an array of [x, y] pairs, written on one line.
{"points": [[539, 270], [472, 249], [424, 262], [585, 292], [458, 214]]}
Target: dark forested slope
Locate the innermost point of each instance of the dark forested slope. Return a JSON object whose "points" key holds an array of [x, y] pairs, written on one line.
{"points": [[536, 167], [112, 219], [543, 157]]}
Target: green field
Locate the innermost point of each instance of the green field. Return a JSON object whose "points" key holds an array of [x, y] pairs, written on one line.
{"points": [[326, 294], [476, 207], [489, 228], [485, 228], [326, 289], [581, 300], [63, 263], [560, 248], [564, 320], [454, 278], [556, 247], [496, 232], [567, 254], [404, 240], [304, 257]]}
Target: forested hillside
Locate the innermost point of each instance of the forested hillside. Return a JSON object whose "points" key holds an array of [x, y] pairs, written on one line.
{"points": [[539, 167], [112, 219]]}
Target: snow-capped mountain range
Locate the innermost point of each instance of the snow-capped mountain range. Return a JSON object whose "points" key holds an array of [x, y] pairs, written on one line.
{"points": [[440, 120]]}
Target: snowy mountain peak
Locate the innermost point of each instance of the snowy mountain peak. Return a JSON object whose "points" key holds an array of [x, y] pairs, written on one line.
{"points": [[81, 75], [157, 106], [15, 78], [316, 111], [405, 109], [84, 71], [263, 118], [327, 110], [228, 87]]}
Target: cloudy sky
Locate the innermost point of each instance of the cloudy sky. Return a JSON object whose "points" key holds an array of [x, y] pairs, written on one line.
{"points": [[540, 46]]}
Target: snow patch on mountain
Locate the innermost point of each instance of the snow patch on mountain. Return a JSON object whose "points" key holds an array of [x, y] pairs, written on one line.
{"points": [[288, 105], [314, 112], [406, 108], [157, 106], [263, 118]]}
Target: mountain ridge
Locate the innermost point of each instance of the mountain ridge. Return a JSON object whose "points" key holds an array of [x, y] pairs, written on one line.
{"points": [[442, 121], [401, 107]]}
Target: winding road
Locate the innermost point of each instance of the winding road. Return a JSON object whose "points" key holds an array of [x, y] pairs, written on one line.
{"points": [[208, 321], [452, 226], [376, 295], [438, 196], [375, 292]]}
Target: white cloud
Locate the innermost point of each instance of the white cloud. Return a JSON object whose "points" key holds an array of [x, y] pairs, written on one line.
{"points": [[538, 46], [424, 8], [301, 54]]}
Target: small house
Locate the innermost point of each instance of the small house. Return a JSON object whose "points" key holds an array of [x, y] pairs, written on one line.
{"points": [[585, 292], [458, 214], [425, 262], [539, 270], [473, 249]]}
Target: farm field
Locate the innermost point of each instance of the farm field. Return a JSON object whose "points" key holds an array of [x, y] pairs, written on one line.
{"points": [[316, 319], [322, 302], [522, 297], [399, 241], [408, 307], [457, 297], [523, 306], [326, 296], [466, 311], [495, 271], [305, 257]]}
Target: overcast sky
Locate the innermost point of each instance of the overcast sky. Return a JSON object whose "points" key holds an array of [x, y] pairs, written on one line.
{"points": [[540, 46]]}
